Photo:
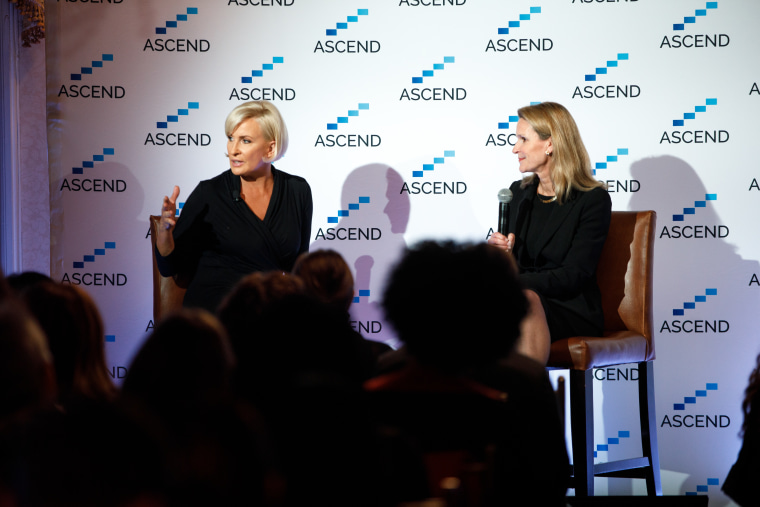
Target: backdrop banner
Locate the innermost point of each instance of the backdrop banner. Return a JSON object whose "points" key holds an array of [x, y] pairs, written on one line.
{"points": [[402, 118]]}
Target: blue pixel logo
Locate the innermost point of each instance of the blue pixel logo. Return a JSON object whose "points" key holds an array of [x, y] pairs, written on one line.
{"points": [[177, 139], [177, 45], [513, 45], [704, 488], [698, 231], [433, 187], [692, 41], [695, 136], [685, 413], [349, 233], [434, 94], [696, 326], [600, 170], [92, 91], [502, 137], [611, 441], [89, 270], [348, 140], [261, 3], [261, 92], [91, 184], [336, 45], [608, 91]]}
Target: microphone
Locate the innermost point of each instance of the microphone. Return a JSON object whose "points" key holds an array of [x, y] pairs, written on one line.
{"points": [[236, 196], [505, 197]]}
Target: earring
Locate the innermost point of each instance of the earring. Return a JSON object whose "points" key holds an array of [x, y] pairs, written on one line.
{"points": [[548, 153]]}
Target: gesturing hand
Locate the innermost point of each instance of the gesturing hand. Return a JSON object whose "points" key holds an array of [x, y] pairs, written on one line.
{"points": [[165, 238]]}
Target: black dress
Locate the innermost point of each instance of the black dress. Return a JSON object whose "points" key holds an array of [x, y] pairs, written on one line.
{"points": [[218, 239], [557, 248]]}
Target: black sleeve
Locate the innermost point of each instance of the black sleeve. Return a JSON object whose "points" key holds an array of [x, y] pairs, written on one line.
{"points": [[190, 234], [308, 211]]}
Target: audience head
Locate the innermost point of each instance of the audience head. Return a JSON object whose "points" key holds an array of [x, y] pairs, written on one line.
{"points": [[187, 358], [20, 282], [455, 305], [74, 329], [251, 297], [751, 402], [327, 278], [5, 288], [27, 377]]}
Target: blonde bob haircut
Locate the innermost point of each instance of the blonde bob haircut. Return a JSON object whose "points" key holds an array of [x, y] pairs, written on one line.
{"points": [[570, 164], [269, 119]]}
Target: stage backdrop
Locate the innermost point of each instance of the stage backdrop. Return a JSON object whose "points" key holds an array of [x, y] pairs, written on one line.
{"points": [[402, 117]]}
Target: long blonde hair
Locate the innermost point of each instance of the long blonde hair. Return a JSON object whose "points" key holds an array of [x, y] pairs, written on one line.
{"points": [[571, 165]]}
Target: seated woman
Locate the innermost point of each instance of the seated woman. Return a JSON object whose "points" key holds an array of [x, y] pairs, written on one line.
{"points": [[252, 217], [558, 222]]}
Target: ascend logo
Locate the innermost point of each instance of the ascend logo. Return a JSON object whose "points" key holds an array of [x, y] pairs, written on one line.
{"points": [[363, 293], [519, 45], [261, 3], [263, 93], [690, 41], [695, 231], [347, 46], [615, 186], [96, 279], [611, 441], [177, 139], [432, 3], [92, 91], [174, 44], [434, 187], [93, 184], [502, 138], [349, 233], [118, 372], [92, 1], [704, 488], [694, 136], [695, 326], [678, 420], [348, 140], [606, 91], [435, 94]]}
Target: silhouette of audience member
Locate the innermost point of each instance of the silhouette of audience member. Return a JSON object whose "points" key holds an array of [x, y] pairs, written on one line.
{"points": [[457, 308], [328, 279], [5, 289], [27, 376], [19, 282], [741, 483], [297, 362], [216, 449], [74, 329], [186, 360]]}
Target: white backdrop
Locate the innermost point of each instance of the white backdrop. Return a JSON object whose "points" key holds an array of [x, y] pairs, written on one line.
{"points": [[401, 115]]}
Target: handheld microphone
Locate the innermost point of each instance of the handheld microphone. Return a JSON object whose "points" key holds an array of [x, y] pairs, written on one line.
{"points": [[236, 196], [505, 197]]}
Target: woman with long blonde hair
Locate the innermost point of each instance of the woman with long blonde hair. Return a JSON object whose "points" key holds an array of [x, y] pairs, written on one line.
{"points": [[558, 222]]}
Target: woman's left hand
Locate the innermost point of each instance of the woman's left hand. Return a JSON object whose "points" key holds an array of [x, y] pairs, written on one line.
{"points": [[501, 241]]}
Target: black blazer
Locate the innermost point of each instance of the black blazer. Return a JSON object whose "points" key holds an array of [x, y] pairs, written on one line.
{"points": [[563, 271]]}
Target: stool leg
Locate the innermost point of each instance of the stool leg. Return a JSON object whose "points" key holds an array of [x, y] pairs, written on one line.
{"points": [[582, 428], [648, 420]]}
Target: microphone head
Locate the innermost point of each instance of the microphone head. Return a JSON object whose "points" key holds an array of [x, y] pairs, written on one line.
{"points": [[505, 195]]}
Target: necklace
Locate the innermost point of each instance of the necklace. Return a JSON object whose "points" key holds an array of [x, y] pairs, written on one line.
{"points": [[546, 201]]}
